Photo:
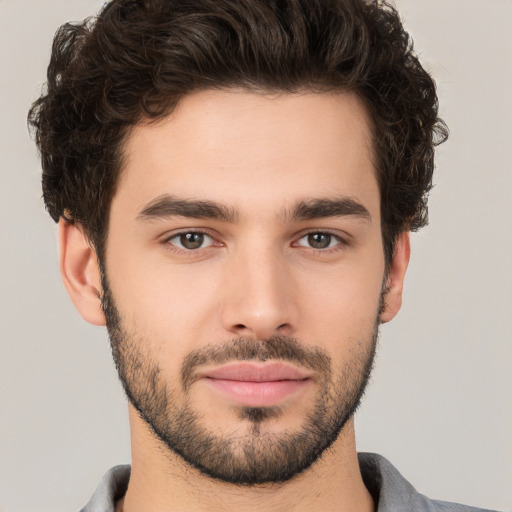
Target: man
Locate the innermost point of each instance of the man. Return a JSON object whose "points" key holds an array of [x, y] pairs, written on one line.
{"points": [[234, 184]]}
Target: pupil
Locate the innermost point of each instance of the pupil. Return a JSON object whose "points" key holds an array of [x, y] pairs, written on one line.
{"points": [[319, 240], [192, 240]]}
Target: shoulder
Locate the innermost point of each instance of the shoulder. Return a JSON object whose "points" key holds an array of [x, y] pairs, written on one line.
{"points": [[446, 506], [394, 493]]}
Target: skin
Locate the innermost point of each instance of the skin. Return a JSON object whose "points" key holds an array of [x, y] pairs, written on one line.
{"points": [[256, 276]]}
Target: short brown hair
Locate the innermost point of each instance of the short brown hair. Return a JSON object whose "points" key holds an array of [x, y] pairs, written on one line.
{"points": [[138, 58]]}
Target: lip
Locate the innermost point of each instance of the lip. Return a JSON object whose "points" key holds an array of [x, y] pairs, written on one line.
{"points": [[257, 384], [256, 372]]}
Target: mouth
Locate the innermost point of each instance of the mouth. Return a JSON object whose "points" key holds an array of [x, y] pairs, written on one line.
{"points": [[257, 384]]}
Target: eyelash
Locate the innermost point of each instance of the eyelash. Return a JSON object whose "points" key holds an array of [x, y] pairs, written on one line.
{"points": [[189, 252], [341, 242]]}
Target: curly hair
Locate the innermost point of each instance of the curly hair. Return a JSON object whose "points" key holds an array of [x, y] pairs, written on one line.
{"points": [[138, 58]]}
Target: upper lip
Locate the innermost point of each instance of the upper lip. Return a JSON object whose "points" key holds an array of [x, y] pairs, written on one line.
{"points": [[256, 372]]}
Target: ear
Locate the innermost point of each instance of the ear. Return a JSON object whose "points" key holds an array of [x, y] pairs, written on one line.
{"points": [[396, 276], [80, 272]]}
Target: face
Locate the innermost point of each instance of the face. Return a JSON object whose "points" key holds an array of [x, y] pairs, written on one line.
{"points": [[243, 278]]}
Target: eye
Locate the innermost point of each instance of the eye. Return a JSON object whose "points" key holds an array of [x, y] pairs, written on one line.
{"points": [[191, 241], [319, 240]]}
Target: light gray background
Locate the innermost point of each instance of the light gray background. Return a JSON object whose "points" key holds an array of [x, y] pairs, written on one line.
{"points": [[440, 404]]}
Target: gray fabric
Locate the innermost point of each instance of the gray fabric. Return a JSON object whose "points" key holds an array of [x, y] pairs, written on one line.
{"points": [[390, 490], [393, 493], [112, 487]]}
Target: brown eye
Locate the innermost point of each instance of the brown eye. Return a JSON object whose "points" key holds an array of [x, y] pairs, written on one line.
{"points": [[191, 241], [319, 240]]}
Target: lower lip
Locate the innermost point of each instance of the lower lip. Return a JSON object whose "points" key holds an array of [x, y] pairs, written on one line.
{"points": [[258, 394]]}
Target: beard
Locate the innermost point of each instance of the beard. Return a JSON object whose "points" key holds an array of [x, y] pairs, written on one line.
{"points": [[259, 456]]}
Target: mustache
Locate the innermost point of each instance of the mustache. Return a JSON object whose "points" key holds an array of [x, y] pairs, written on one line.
{"points": [[281, 348]]}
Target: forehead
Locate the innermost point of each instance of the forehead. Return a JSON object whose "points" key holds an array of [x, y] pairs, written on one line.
{"points": [[236, 146]]}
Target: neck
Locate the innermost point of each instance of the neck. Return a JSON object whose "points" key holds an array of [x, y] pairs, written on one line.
{"points": [[161, 481]]}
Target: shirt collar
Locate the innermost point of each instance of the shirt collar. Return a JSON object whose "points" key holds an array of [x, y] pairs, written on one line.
{"points": [[389, 489]]}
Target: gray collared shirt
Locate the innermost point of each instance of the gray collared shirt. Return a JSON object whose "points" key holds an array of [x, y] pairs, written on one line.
{"points": [[390, 490]]}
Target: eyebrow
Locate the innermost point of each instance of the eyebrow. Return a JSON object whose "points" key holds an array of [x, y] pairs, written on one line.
{"points": [[169, 206], [166, 206], [328, 207]]}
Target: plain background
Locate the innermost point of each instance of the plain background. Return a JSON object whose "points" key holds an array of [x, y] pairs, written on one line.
{"points": [[440, 404]]}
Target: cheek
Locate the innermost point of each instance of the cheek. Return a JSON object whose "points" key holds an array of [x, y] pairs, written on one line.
{"points": [[170, 307], [342, 305]]}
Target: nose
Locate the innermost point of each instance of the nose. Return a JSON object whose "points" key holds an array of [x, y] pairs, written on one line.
{"points": [[260, 298]]}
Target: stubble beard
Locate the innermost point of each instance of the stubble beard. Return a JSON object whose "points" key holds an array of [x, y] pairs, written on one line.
{"points": [[258, 456]]}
